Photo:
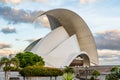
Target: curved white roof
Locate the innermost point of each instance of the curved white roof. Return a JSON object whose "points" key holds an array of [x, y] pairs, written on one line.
{"points": [[50, 41], [64, 54], [74, 24], [57, 48], [70, 36]]}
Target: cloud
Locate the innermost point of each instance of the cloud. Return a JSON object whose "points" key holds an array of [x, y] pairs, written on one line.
{"points": [[11, 1], [108, 47], [43, 1], [22, 1], [31, 40], [6, 52], [42, 20], [7, 30], [87, 1], [14, 1], [109, 57], [18, 16], [107, 52], [17, 39], [4, 45], [108, 39]]}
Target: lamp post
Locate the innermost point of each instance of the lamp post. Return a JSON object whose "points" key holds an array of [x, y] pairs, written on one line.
{"points": [[86, 72]]}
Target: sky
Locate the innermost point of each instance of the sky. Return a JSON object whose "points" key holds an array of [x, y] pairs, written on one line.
{"points": [[19, 25]]}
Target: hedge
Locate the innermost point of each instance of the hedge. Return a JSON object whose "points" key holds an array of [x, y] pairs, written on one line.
{"points": [[40, 71]]}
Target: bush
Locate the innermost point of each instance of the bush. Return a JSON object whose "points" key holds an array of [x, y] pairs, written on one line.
{"points": [[40, 71]]}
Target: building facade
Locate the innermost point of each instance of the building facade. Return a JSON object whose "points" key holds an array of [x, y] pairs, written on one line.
{"points": [[69, 43]]}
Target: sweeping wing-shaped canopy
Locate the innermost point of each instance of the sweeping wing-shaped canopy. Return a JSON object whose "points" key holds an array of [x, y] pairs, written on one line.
{"points": [[69, 40], [74, 24]]}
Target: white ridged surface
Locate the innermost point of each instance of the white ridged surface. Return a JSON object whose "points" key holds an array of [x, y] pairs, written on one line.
{"points": [[74, 24], [51, 41], [64, 54]]}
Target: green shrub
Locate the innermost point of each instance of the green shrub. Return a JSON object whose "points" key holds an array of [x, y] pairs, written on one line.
{"points": [[40, 71]]}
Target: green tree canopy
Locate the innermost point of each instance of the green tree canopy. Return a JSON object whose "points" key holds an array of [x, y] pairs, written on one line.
{"points": [[114, 75], [29, 59], [115, 69]]}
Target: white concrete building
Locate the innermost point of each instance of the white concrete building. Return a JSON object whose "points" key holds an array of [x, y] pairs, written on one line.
{"points": [[69, 39]]}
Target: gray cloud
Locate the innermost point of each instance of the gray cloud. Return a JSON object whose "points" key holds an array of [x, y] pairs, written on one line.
{"points": [[4, 45], [7, 30], [6, 52], [109, 57], [32, 40], [17, 39], [108, 40], [18, 16]]}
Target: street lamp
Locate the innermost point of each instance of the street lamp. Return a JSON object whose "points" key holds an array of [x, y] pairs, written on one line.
{"points": [[86, 72]]}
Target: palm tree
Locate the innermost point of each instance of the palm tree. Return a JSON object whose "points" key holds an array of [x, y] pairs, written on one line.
{"points": [[15, 62], [68, 69], [7, 63], [68, 73], [68, 76]]}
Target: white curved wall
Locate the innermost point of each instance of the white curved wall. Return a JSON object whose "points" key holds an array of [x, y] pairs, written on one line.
{"points": [[51, 41], [74, 24], [64, 54]]}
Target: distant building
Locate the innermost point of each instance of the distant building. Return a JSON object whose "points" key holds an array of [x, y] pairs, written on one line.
{"points": [[70, 43]]}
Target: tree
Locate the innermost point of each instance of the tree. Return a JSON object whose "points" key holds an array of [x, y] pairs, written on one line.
{"points": [[68, 69], [68, 73], [114, 75], [15, 62], [95, 74], [115, 69], [92, 78], [7, 64], [110, 77], [68, 76], [29, 59]]}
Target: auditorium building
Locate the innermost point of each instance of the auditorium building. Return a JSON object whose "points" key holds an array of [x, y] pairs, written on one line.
{"points": [[70, 42]]}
